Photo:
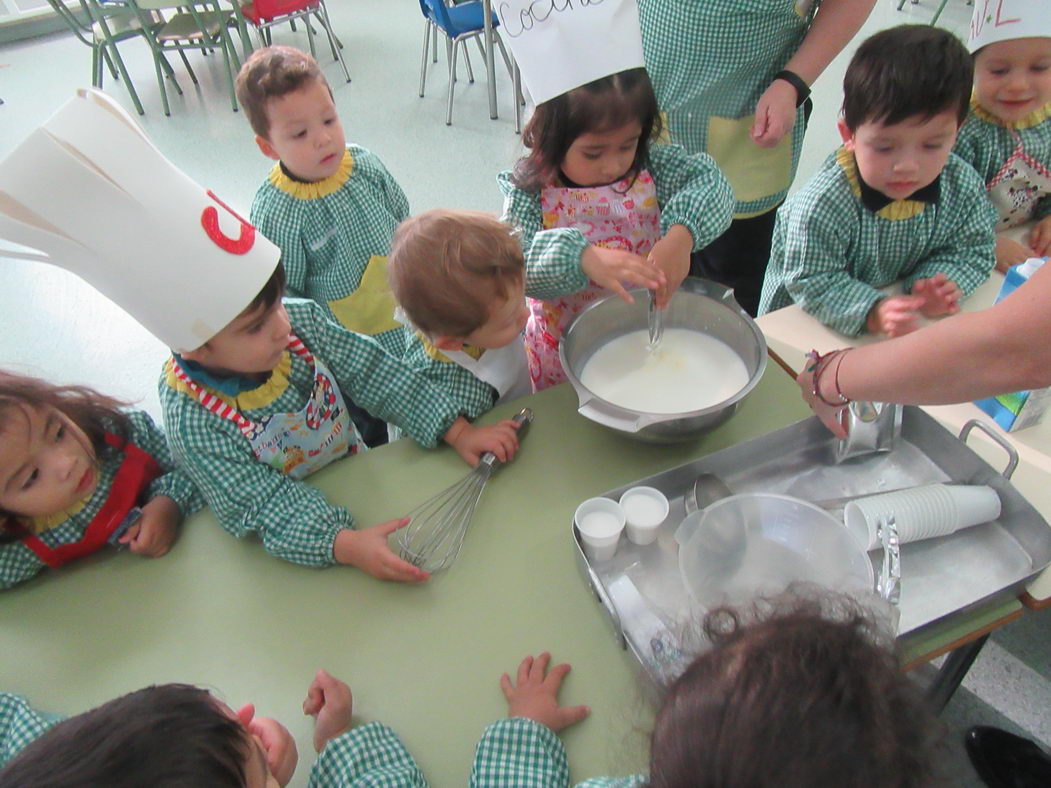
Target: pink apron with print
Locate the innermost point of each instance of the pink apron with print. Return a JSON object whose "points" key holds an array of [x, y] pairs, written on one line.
{"points": [[623, 215], [1017, 187]]}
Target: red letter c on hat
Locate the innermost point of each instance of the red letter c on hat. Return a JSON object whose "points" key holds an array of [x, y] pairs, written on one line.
{"points": [[210, 223]]}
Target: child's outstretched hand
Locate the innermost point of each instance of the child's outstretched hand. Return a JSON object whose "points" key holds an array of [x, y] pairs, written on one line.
{"points": [[1010, 253], [276, 741], [941, 295], [1040, 238], [775, 114], [155, 531], [535, 696], [369, 551], [472, 442], [895, 315], [671, 254], [330, 702], [609, 268]]}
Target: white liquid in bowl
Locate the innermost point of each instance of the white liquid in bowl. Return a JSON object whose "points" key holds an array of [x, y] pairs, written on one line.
{"points": [[689, 371]]}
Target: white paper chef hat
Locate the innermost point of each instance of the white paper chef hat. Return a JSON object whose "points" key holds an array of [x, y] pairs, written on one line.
{"points": [[560, 46], [89, 192], [1004, 20]]}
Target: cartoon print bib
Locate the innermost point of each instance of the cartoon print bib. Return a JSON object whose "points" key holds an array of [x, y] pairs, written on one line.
{"points": [[1017, 187]]}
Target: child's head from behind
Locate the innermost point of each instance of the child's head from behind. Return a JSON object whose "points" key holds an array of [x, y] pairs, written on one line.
{"points": [[254, 341], [289, 105], [593, 135], [906, 92], [1013, 78], [171, 736], [805, 697], [460, 277], [50, 439]]}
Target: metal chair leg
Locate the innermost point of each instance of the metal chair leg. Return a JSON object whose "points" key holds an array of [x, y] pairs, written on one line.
{"points": [[327, 27], [503, 53], [310, 40], [185, 62], [324, 13], [328, 32], [470, 71], [938, 13], [109, 62], [452, 83], [426, 52], [434, 32], [516, 80]]}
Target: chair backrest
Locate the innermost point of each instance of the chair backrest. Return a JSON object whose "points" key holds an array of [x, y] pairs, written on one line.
{"points": [[437, 12], [269, 9], [81, 31]]}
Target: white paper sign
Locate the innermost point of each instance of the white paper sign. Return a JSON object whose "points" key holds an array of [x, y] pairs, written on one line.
{"points": [[563, 44], [1004, 20]]}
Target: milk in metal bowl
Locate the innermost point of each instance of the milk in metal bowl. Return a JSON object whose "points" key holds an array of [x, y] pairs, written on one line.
{"points": [[688, 371]]}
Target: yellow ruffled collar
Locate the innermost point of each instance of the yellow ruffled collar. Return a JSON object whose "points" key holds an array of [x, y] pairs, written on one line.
{"points": [[261, 396], [317, 189], [1034, 118], [37, 525], [895, 211]]}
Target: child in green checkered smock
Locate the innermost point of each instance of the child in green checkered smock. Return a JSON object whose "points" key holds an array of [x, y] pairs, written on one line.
{"points": [[892, 203], [1007, 135], [732, 78], [247, 438], [129, 741], [595, 195], [78, 473], [330, 207]]}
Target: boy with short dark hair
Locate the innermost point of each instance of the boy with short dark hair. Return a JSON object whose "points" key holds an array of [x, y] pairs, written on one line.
{"points": [[330, 206], [893, 202], [459, 276]]}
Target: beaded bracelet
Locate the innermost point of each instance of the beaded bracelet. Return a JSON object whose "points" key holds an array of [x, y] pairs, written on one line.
{"points": [[821, 363]]}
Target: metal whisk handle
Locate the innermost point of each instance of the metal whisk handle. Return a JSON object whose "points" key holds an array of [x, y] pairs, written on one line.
{"points": [[523, 418]]}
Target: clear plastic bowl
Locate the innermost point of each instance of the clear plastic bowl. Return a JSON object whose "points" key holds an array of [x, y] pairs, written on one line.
{"points": [[759, 543]]}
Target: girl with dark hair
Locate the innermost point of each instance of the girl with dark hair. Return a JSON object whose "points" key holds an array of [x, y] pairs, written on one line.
{"points": [[598, 203], [76, 473]]}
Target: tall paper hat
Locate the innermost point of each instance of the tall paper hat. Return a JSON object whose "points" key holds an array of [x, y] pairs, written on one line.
{"points": [[1004, 20], [560, 46], [89, 192]]}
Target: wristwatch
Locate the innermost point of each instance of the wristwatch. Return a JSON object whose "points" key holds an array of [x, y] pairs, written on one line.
{"points": [[796, 81]]}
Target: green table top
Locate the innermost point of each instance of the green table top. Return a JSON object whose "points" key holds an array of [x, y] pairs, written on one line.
{"points": [[424, 659]]}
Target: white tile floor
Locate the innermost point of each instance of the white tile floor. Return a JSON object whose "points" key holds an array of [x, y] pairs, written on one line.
{"points": [[56, 326]]}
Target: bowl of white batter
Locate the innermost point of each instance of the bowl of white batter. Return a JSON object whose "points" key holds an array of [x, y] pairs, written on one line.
{"points": [[711, 357]]}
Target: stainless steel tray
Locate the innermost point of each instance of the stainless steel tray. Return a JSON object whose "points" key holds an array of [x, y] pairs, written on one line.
{"points": [[641, 590]]}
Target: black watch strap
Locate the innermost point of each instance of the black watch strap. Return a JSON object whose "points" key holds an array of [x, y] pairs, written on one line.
{"points": [[796, 81]]}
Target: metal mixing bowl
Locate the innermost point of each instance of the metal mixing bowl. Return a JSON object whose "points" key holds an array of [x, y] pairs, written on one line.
{"points": [[699, 305]]}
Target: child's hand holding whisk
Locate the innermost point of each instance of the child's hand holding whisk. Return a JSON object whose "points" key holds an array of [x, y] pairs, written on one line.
{"points": [[671, 256], [369, 551], [610, 268], [471, 442]]}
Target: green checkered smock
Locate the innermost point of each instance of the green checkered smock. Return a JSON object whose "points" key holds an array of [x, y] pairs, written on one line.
{"points": [[830, 253], [986, 144], [18, 563], [292, 517], [520, 753], [371, 756], [690, 191], [334, 237], [709, 63], [20, 724], [473, 395]]}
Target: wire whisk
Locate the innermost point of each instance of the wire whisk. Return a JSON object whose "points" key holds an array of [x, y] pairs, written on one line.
{"points": [[437, 527]]}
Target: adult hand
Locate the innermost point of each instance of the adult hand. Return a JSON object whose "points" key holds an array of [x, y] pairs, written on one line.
{"points": [[671, 255], [535, 695], [895, 315], [369, 551], [1010, 252], [331, 703], [276, 741], [610, 268], [941, 295], [1040, 237], [775, 114], [154, 532], [472, 442]]}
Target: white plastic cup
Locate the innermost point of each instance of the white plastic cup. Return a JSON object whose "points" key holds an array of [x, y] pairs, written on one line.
{"points": [[922, 512], [599, 522], [645, 508]]}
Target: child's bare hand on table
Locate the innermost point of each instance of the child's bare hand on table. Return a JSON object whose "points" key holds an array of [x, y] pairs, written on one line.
{"points": [[535, 694], [368, 550], [941, 295], [895, 315], [471, 441], [1040, 238], [330, 702], [154, 532], [611, 268], [671, 255], [1009, 252]]}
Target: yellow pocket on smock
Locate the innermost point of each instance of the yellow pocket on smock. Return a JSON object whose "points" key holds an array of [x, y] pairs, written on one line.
{"points": [[754, 172], [370, 308]]}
